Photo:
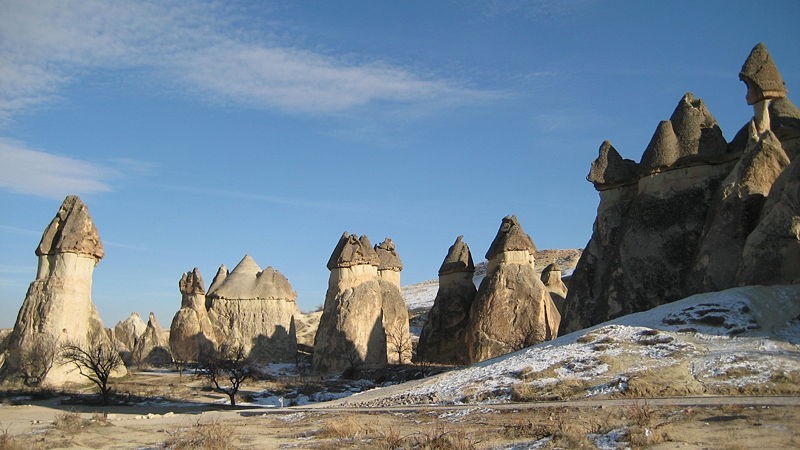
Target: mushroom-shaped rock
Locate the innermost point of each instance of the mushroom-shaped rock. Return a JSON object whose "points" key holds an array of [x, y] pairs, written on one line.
{"points": [[696, 129], [662, 151], [58, 306], [610, 169], [551, 278], [444, 336], [387, 256], [510, 237], [458, 259], [352, 251], [71, 231], [761, 76], [512, 308]]}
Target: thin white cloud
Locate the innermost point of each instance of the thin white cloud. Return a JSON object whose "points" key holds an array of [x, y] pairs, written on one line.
{"points": [[48, 43], [34, 172]]}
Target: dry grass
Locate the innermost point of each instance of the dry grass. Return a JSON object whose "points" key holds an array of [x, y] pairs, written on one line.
{"points": [[347, 428], [206, 436], [565, 389], [69, 421], [443, 438], [7, 442]]}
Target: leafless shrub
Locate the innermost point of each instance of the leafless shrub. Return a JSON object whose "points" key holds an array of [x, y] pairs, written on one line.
{"points": [[226, 368], [96, 361], [398, 342], [36, 359], [206, 436]]}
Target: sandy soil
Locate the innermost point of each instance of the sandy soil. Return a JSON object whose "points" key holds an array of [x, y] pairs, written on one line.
{"points": [[195, 422]]}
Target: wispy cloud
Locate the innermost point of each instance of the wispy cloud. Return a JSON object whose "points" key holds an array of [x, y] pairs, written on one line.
{"points": [[20, 231], [28, 171], [253, 196], [48, 43]]}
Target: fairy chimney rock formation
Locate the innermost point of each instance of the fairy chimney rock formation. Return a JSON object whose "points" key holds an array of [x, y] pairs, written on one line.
{"points": [[255, 308], [764, 84], [58, 307], [152, 347], [512, 308], [364, 322], [717, 216], [443, 338], [192, 332], [127, 331]]}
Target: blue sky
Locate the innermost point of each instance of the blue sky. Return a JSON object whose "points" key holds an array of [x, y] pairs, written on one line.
{"points": [[198, 132]]}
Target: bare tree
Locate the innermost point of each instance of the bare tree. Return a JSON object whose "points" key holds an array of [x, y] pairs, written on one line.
{"points": [[398, 342], [36, 359], [226, 363], [95, 361]]}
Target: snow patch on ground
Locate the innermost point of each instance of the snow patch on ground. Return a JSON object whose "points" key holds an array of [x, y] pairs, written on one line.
{"points": [[738, 336]]}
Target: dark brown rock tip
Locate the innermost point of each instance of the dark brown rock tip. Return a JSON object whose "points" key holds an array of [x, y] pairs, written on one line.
{"points": [[761, 76], [510, 237], [387, 256], [696, 128], [458, 259], [663, 149], [71, 231], [192, 283], [610, 170], [352, 250]]}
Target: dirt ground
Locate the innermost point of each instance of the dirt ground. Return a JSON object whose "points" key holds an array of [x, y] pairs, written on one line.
{"points": [[197, 423]]}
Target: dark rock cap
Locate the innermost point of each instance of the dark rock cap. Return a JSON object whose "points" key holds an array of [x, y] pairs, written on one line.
{"points": [[387, 256], [458, 259], [510, 237], [352, 251], [696, 128], [192, 283], [71, 231], [761, 76], [663, 149], [609, 169]]}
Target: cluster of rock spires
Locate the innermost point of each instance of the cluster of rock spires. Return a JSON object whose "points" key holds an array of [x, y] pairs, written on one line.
{"points": [[696, 214], [58, 306], [364, 321], [511, 309], [248, 306]]}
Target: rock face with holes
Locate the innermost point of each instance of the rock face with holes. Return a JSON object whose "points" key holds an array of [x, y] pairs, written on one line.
{"points": [[254, 308], [58, 307], [512, 308], [443, 338], [192, 332], [696, 214]]}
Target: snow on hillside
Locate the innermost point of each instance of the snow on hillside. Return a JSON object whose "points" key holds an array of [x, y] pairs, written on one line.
{"points": [[738, 339]]}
